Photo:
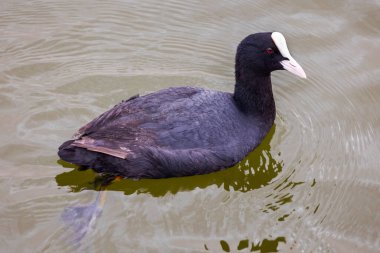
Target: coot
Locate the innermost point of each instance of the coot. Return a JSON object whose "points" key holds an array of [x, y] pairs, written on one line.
{"points": [[186, 131]]}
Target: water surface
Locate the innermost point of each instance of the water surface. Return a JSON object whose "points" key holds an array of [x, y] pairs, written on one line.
{"points": [[312, 186]]}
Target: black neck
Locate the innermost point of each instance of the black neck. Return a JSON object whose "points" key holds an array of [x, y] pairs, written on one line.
{"points": [[253, 94]]}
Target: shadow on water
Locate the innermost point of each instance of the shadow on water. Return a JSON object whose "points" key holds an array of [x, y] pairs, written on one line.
{"points": [[258, 169]]}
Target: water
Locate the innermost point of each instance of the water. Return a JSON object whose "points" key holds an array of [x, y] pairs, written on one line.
{"points": [[313, 186]]}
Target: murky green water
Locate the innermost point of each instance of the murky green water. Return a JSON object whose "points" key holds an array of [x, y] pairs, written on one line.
{"points": [[312, 186]]}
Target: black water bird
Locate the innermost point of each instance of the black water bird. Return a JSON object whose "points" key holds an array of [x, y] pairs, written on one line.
{"points": [[186, 131]]}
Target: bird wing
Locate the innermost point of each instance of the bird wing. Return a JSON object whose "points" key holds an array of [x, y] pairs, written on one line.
{"points": [[138, 122]]}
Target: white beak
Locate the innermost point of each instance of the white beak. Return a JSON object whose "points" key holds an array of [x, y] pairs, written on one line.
{"points": [[290, 65], [293, 67]]}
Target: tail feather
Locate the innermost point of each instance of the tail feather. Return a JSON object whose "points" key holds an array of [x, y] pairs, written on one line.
{"points": [[75, 155]]}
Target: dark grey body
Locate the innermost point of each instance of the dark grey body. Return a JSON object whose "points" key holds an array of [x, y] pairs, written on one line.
{"points": [[174, 132]]}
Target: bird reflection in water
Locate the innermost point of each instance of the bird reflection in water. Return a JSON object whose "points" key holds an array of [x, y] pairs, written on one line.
{"points": [[258, 169], [81, 219], [265, 246]]}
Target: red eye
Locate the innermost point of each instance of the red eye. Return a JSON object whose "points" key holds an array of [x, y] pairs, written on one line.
{"points": [[269, 51]]}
